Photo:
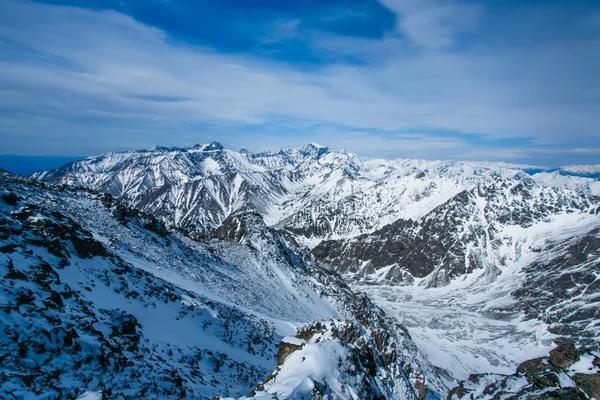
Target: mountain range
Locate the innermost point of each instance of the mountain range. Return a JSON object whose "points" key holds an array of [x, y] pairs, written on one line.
{"points": [[315, 272]]}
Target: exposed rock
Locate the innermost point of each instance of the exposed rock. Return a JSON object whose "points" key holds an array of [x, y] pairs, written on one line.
{"points": [[11, 199], [309, 331], [544, 380], [533, 366], [285, 349], [589, 383], [568, 393], [542, 376], [421, 390], [87, 247], [564, 355]]}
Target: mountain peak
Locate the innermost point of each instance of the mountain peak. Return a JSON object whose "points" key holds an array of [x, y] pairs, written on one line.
{"points": [[315, 149], [212, 146], [158, 148]]}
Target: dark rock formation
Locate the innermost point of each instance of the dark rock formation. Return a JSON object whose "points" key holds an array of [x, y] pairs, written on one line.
{"points": [[542, 380]]}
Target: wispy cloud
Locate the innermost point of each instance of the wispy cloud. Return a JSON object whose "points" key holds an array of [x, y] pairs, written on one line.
{"points": [[434, 23]]}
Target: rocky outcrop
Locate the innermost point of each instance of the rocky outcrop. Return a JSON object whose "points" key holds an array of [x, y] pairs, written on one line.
{"points": [[285, 349], [541, 378], [346, 359], [564, 355], [589, 384]]}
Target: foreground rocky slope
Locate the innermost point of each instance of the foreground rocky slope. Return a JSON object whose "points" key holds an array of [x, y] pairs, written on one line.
{"points": [[141, 312], [76, 317]]}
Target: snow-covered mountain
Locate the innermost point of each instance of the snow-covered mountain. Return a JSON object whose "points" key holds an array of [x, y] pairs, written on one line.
{"points": [[589, 171], [100, 299], [311, 191], [487, 264], [588, 184]]}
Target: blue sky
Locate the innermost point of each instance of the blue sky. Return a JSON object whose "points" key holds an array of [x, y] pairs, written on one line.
{"points": [[513, 81]]}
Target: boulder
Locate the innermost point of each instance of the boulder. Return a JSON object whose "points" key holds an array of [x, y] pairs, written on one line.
{"points": [[532, 366], [560, 394], [564, 355]]}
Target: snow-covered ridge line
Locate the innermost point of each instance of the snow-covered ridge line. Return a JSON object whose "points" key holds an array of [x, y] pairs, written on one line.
{"points": [[312, 191], [581, 169], [574, 170]]}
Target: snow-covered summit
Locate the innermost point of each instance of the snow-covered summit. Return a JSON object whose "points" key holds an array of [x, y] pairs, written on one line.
{"points": [[213, 146]]}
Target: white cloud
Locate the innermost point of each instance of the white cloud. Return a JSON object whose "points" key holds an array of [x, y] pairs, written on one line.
{"points": [[433, 23]]}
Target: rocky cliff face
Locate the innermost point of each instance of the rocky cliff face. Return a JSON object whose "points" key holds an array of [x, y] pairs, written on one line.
{"points": [[469, 232]]}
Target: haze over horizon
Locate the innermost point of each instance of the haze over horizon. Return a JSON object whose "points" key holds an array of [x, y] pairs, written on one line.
{"points": [[515, 82]]}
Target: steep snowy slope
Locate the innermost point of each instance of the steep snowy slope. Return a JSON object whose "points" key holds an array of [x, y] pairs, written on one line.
{"points": [[141, 312]]}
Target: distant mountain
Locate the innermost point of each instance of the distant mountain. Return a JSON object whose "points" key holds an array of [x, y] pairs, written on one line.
{"points": [[587, 171]]}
